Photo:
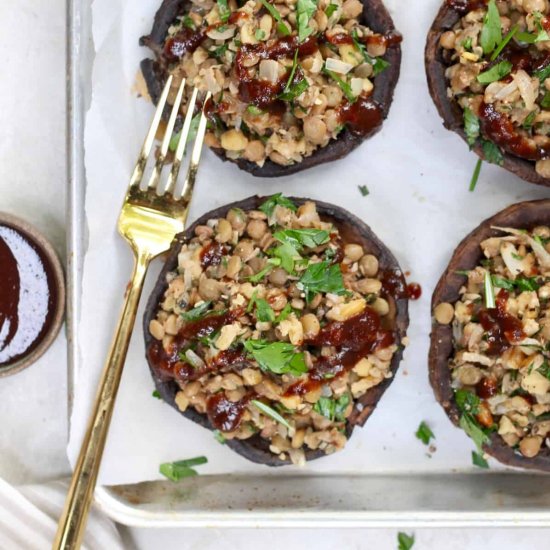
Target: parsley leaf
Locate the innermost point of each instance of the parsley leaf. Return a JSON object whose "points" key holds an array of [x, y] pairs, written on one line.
{"points": [[467, 44], [287, 255], [300, 238], [524, 284], [266, 409], [281, 26], [471, 126], [424, 433], [492, 153], [197, 312], [193, 129], [223, 10], [188, 22], [496, 72], [305, 10], [479, 460], [175, 471], [293, 90], [322, 277], [344, 86], [219, 437], [333, 409], [534, 38], [528, 122], [277, 357], [259, 34], [467, 401], [543, 73], [472, 429], [263, 272], [491, 33], [364, 190], [331, 8], [268, 207], [264, 312], [156, 394], [406, 542], [475, 175], [545, 103], [378, 64], [505, 41], [253, 110], [489, 291]]}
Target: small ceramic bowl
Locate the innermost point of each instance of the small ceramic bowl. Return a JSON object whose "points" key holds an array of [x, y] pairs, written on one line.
{"points": [[56, 284]]}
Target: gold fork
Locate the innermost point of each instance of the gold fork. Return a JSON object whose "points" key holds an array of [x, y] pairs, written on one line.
{"points": [[149, 221]]}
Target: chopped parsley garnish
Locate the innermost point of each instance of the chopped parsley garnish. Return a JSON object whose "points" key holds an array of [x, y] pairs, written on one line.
{"points": [[529, 120], [471, 126], [475, 175], [253, 110], [285, 312], [281, 26], [378, 64], [479, 460], [156, 394], [468, 403], [266, 409], [259, 34], [197, 312], [287, 255], [294, 89], [300, 238], [405, 542], [193, 129], [277, 357], [272, 262], [175, 471], [219, 437], [492, 153], [544, 369], [523, 284], [467, 44], [333, 409], [505, 41], [264, 312], [322, 277], [533, 38], [188, 22], [331, 8], [364, 190], [219, 52], [424, 433], [543, 73], [545, 103], [268, 207], [496, 72], [223, 10], [491, 33], [344, 86], [304, 11], [489, 291]]}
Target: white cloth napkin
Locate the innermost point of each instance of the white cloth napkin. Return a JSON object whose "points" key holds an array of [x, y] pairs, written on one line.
{"points": [[29, 514]]}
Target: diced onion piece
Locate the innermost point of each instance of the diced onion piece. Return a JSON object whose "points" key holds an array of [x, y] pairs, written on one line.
{"points": [[506, 90], [194, 359], [269, 70], [540, 252], [215, 34], [509, 254], [338, 66], [356, 86], [527, 88], [211, 82]]}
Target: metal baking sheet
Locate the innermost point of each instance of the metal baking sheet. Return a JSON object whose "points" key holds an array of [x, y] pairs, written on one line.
{"points": [[414, 499]]}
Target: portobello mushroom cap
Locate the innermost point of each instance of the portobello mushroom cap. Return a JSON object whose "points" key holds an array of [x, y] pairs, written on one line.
{"points": [[467, 256], [449, 110], [352, 229], [375, 16]]}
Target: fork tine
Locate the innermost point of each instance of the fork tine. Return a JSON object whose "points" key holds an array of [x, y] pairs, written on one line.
{"points": [[161, 159], [189, 182], [135, 180], [180, 149]]}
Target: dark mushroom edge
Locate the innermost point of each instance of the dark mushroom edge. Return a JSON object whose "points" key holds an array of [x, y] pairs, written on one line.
{"points": [[437, 61], [376, 105], [352, 230], [468, 256]]}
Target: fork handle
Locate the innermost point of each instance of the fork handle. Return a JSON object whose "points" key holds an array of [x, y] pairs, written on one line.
{"points": [[72, 523]]}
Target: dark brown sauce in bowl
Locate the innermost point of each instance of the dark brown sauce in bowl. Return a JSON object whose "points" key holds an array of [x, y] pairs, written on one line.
{"points": [[31, 294]]}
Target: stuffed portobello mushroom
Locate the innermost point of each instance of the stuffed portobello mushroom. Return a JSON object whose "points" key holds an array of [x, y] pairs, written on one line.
{"points": [[488, 70], [294, 84], [490, 342], [278, 323]]}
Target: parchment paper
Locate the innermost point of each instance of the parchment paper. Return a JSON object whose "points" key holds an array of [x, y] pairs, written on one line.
{"points": [[419, 205]]}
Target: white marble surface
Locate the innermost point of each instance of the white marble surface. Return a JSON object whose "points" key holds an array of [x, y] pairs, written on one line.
{"points": [[32, 403]]}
